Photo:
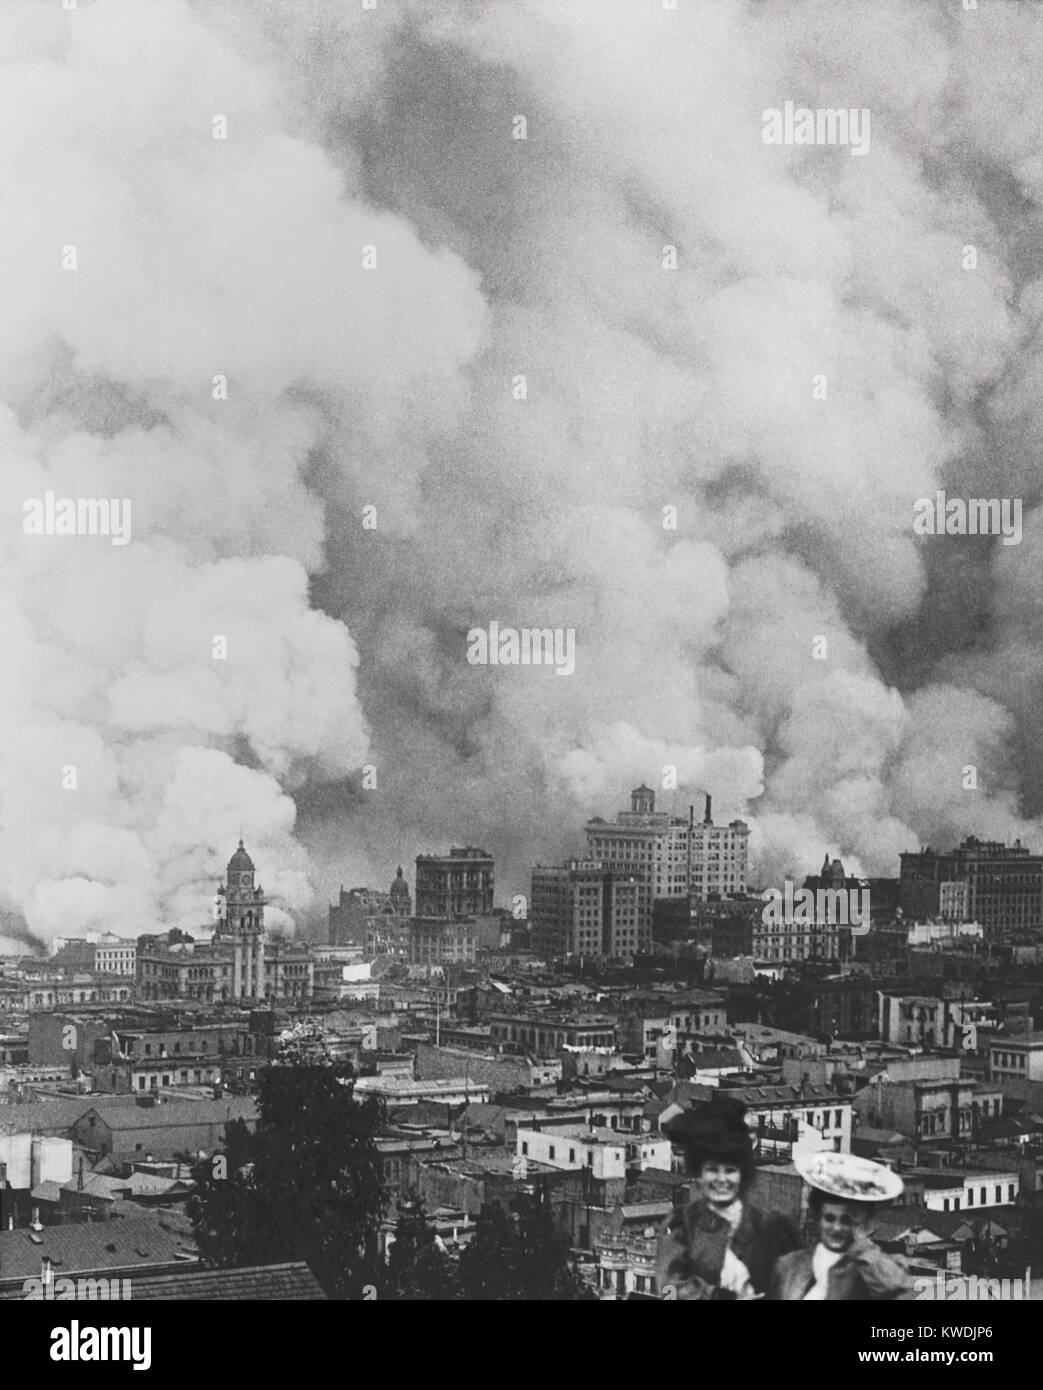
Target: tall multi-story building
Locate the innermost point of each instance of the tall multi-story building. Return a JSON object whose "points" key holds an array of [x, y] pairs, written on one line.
{"points": [[670, 856], [584, 909], [457, 884], [1000, 886]]}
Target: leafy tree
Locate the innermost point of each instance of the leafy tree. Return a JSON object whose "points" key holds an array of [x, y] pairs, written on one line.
{"points": [[519, 1255], [418, 1271], [307, 1185]]}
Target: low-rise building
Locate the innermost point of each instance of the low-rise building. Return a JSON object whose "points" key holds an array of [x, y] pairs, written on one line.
{"points": [[546, 1032], [164, 1131], [951, 1109], [608, 1153], [963, 1190], [1018, 1058], [626, 1250], [401, 1090]]}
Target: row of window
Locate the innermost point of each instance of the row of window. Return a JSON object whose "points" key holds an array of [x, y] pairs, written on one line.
{"points": [[1017, 1060], [153, 1080], [984, 1199], [616, 1279], [553, 1150], [119, 996]]}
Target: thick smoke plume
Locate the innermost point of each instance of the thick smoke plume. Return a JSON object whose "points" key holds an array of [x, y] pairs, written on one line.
{"points": [[646, 388]]}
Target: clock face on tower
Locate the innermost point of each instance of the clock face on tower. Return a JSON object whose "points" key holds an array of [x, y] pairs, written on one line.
{"points": [[244, 879]]}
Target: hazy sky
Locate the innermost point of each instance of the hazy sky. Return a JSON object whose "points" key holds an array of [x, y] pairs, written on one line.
{"points": [[820, 358]]}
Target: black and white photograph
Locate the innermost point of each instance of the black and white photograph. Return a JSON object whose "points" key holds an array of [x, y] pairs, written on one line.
{"points": [[521, 602]]}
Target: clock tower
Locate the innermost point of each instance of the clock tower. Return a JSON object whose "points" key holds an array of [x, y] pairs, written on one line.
{"points": [[241, 926]]}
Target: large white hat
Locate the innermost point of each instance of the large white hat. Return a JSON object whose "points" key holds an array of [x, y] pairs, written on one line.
{"points": [[850, 1177]]}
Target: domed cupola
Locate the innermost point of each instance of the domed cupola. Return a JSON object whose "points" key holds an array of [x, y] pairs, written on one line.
{"points": [[240, 872]]}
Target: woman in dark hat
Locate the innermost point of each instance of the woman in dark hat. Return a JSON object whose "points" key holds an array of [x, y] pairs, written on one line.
{"points": [[719, 1246]]}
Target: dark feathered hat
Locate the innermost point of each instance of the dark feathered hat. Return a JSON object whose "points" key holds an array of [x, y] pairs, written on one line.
{"points": [[714, 1129]]}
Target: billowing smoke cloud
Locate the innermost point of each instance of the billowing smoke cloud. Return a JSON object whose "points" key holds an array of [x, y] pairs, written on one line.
{"points": [[790, 647], [162, 697]]}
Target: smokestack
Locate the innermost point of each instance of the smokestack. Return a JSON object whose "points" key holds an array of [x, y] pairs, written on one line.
{"points": [[688, 881], [708, 818]]}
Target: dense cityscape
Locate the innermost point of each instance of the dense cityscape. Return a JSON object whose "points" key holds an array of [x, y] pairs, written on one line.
{"points": [[529, 1062]]}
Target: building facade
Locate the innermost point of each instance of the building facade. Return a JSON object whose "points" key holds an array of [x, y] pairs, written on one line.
{"points": [[670, 857], [442, 941], [1000, 886], [360, 910], [457, 884], [583, 909], [235, 965], [545, 1033], [1016, 1058], [104, 953]]}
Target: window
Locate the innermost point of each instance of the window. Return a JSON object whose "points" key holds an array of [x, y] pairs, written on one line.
{"points": [[984, 1199], [551, 1151], [999, 1193], [970, 1196], [1010, 1192], [572, 1159], [525, 1146]]}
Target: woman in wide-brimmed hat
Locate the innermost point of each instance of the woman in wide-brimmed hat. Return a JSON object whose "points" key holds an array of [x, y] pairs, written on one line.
{"points": [[844, 1265], [720, 1246]]}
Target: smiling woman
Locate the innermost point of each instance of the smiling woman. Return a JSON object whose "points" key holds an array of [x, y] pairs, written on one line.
{"points": [[845, 1264], [720, 1246]]}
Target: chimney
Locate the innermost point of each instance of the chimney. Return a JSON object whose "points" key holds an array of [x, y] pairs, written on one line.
{"points": [[688, 880], [79, 1183], [708, 817], [46, 1274]]}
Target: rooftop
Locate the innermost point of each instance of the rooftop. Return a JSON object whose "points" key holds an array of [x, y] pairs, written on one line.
{"points": [[90, 1247], [181, 1113], [285, 1283], [1032, 1040]]}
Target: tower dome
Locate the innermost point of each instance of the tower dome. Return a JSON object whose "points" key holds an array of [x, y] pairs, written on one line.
{"points": [[240, 861], [399, 887]]}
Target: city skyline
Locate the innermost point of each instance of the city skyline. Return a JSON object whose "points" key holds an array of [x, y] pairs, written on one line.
{"points": [[634, 397]]}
